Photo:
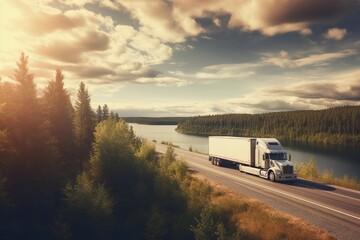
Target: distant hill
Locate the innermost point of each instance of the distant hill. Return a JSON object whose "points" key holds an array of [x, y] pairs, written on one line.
{"points": [[340, 125], [155, 120]]}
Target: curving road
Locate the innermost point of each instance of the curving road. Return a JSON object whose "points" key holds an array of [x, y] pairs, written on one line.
{"points": [[332, 208]]}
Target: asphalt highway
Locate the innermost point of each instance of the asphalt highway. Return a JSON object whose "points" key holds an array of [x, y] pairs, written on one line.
{"points": [[329, 207]]}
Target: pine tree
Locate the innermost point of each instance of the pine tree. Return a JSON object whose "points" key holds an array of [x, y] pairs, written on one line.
{"points": [[105, 111], [117, 117], [59, 112], [99, 114], [84, 124], [31, 176]]}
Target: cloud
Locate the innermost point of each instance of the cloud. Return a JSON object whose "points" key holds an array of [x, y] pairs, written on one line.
{"points": [[260, 103], [335, 34], [341, 87], [324, 58], [274, 17], [162, 19], [46, 23], [217, 22], [174, 21], [223, 71], [306, 95], [95, 72], [161, 109], [330, 91], [283, 60], [148, 48], [305, 31], [71, 51], [80, 42], [135, 72], [163, 81]]}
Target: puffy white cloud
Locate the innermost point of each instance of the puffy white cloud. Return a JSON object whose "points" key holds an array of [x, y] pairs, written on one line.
{"points": [[66, 50], [273, 17], [335, 33], [80, 42], [161, 19], [175, 20]]}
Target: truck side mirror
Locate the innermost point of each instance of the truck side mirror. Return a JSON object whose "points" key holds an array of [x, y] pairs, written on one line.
{"points": [[263, 156]]}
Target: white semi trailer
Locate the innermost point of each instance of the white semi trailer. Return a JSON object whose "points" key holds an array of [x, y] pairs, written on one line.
{"points": [[263, 157]]}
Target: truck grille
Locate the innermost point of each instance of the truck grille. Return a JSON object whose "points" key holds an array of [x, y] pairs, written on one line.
{"points": [[287, 169]]}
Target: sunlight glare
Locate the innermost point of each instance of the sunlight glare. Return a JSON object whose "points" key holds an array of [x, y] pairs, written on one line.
{"points": [[9, 16]]}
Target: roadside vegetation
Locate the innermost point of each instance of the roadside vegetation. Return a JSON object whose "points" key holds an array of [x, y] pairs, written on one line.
{"points": [[170, 144], [255, 220], [340, 125], [309, 170]]}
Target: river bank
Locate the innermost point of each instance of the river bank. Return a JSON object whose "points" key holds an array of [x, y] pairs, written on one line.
{"points": [[342, 160]]}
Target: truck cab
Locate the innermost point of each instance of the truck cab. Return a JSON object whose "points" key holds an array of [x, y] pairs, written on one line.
{"points": [[274, 162]]}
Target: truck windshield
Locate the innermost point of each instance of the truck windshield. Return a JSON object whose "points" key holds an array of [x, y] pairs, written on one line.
{"points": [[278, 156]]}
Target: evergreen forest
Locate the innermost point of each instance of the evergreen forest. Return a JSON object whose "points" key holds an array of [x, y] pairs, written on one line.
{"points": [[154, 120], [339, 125], [69, 172]]}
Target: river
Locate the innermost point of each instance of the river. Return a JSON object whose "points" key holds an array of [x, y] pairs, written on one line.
{"points": [[341, 160]]}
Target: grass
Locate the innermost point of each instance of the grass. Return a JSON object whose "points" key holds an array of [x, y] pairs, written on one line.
{"points": [[309, 170], [195, 150], [170, 144], [256, 220]]}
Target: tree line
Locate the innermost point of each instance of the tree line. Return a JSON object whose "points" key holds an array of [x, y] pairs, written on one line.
{"points": [[68, 172], [154, 120], [339, 125]]}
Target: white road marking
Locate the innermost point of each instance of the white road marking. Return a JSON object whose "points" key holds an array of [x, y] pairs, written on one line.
{"points": [[341, 195], [356, 199]]}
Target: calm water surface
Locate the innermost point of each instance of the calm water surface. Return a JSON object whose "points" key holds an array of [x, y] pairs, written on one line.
{"points": [[342, 160]]}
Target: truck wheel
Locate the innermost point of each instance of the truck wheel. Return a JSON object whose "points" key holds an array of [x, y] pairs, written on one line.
{"points": [[219, 163], [272, 176]]}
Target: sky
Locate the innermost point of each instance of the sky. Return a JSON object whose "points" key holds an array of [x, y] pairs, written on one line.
{"points": [[159, 58]]}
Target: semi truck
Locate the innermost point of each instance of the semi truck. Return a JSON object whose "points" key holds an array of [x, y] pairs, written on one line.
{"points": [[264, 157]]}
